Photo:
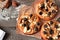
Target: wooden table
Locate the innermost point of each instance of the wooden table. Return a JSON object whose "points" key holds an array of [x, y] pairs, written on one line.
{"points": [[11, 30]]}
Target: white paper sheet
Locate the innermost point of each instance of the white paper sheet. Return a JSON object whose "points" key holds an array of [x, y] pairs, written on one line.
{"points": [[2, 33]]}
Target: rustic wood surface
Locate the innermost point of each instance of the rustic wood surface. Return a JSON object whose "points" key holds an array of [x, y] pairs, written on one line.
{"points": [[11, 31]]}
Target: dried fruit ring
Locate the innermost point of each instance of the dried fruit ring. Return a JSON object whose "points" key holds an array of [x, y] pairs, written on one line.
{"points": [[45, 9], [28, 22], [50, 30], [5, 3]]}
